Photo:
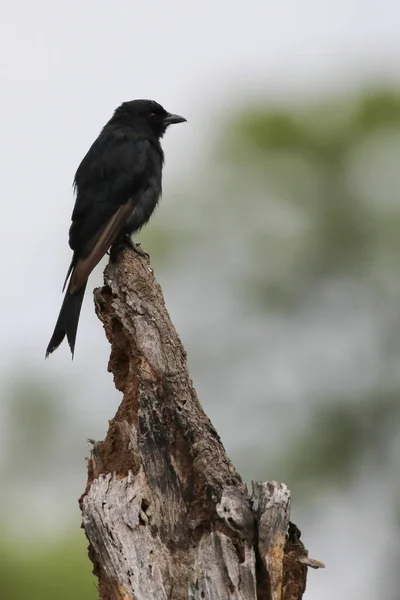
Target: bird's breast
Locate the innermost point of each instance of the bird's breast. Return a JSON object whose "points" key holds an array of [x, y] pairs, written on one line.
{"points": [[145, 203]]}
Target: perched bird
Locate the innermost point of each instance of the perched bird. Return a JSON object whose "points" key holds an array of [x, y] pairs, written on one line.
{"points": [[118, 186]]}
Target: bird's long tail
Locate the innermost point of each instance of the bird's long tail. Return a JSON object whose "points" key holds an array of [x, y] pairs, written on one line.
{"points": [[68, 319]]}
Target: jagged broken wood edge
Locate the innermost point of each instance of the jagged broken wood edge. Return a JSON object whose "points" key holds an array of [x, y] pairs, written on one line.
{"points": [[164, 510]]}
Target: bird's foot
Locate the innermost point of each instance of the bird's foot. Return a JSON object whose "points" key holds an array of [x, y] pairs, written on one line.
{"points": [[137, 247], [127, 242]]}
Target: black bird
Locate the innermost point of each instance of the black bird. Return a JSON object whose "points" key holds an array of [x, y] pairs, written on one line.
{"points": [[118, 186]]}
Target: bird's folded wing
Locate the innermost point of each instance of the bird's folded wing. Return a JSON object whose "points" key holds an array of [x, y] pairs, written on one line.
{"points": [[99, 245]]}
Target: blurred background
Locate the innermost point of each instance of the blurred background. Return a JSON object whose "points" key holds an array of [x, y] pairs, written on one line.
{"points": [[277, 244]]}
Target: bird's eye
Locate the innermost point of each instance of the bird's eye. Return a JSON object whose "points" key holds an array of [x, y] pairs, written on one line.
{"points": [[152, 115]]}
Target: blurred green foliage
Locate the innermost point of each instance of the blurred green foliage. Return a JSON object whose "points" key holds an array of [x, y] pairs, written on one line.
{"points": [[304, 157], [337, 433], [307, 159], [59, 570]]}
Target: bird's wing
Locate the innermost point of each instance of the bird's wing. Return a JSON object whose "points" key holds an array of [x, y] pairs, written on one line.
{"points": [[114, 171], [108, 184], [99, 246]]}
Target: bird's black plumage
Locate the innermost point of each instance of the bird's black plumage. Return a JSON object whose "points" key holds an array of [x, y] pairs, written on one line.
{"points": [[118, 186]]}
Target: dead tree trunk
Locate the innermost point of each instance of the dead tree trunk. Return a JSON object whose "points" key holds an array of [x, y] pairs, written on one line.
{"points": [[165, 512]]}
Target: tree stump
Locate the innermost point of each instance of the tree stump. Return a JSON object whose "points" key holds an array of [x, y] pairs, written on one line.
{"points": [[165, 512]]}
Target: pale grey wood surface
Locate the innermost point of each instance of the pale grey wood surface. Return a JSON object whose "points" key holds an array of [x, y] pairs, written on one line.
{"points": [[165, 512]]}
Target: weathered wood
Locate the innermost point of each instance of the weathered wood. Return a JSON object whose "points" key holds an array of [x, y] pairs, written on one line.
{"points": [[165, 512]]}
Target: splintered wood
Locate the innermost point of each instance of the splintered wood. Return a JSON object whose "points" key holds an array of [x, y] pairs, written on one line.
{"points": [[165, 512]]}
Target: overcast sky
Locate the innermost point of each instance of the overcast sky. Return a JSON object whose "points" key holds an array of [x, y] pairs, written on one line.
{"points": [[65, 66]]}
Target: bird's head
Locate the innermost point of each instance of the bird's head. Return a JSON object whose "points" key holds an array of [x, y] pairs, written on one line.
{"points": [[147, 115]]}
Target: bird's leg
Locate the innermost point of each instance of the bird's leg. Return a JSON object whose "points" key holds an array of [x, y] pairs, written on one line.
{"points": [[137, 247], [125, 241]]}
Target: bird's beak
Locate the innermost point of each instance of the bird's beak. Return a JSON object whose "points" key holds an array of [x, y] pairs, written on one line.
{"points": [[171, 119]]}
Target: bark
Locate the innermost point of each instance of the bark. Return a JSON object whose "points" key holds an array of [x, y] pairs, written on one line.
{"points": [[165, 512]]}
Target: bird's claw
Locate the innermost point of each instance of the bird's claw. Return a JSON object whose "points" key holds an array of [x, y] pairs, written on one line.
{"points": [[137, 247], [127, 242]]}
